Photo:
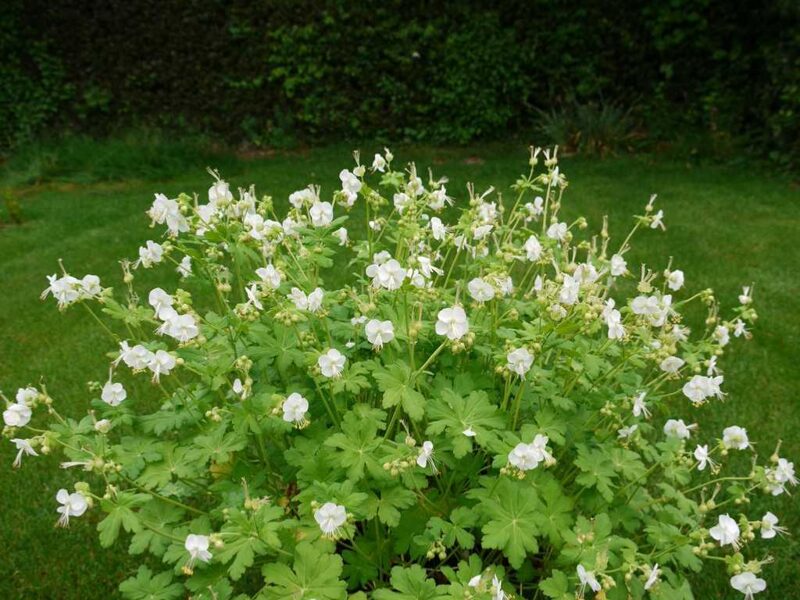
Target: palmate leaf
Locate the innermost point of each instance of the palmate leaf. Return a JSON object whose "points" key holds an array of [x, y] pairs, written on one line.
{"points": [[315, 575], [387, 506], [160, 516], [556, 586], [453, 414], [248, 536], [358, 443], [410, 584], [120, 514], [398, 388], [513, 516], [598, 471], [146, 586]]}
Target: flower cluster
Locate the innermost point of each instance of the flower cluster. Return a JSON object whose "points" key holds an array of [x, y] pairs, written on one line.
{"points": [[446, 398]]}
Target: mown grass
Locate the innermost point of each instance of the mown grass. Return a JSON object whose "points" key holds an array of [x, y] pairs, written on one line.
{"points": [[726, 228]]}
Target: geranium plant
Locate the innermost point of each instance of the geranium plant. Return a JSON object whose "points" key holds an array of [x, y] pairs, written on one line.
{"points": [[484, 404]]}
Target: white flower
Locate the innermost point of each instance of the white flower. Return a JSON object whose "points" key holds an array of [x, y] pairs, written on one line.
{"points": [[652, 579], [388, 274], [438, 198], [219, 193], [253, 297], [378, 163], [452, 322], [65, 290], [744, 297], [569, 290], [726, 531], [735, 438], [102, 426], [675, 280], [330, 517], [497, 589], [270, 276], [438, 229], [658, 220], [626, 432], [161, 363], [299, 298], [748, 584], [150, 254], [113, 393], [474, 581], [701, 455], [533, 249], [779, 476], [535, 208], [557, 231], [401, 200], [72, 505], [184, 268], [739, 329], [24, 447], [294, 408], [639, 406], [480, 290], [671, 364], [526, 457], [379, 332], [618, 266], [90, 286], [351, 185], [17, 415], [181, 327], [425, 454], [26, 395], [722, 335], [341, 235], [481, 231], [331, 363], [519, 361], [165, 210], [137, 358], [197, 547], [315, 300], [768, 525], [159, 300], [614, 322], [700, 387], [588, 578], [677, 428], [321, 214], [302, 197], [469, 432]]}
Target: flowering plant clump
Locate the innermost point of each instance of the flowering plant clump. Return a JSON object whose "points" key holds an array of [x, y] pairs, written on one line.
{"points": [[485, 405]]}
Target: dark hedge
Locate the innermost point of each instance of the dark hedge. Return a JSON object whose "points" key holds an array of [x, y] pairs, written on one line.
{"points": [[271, 72]]}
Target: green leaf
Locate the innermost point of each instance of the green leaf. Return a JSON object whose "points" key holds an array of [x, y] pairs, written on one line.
{"points": [[556, 586], [598, 471], [120, 514], [146, 586], [390, 501], [454, 414], [410, 584], [398, 388], [513, 513], [315, 575], [247, 536], [357, 444]]}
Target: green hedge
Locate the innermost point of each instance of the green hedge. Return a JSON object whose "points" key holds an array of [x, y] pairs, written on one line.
{"points": [[273, 71]]}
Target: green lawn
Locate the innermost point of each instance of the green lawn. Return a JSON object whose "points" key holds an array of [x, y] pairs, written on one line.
{"points": [[726, 227]]}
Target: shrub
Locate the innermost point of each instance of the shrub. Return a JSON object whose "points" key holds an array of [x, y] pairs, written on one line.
{"points": [[594, 129], [477, 411]]}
